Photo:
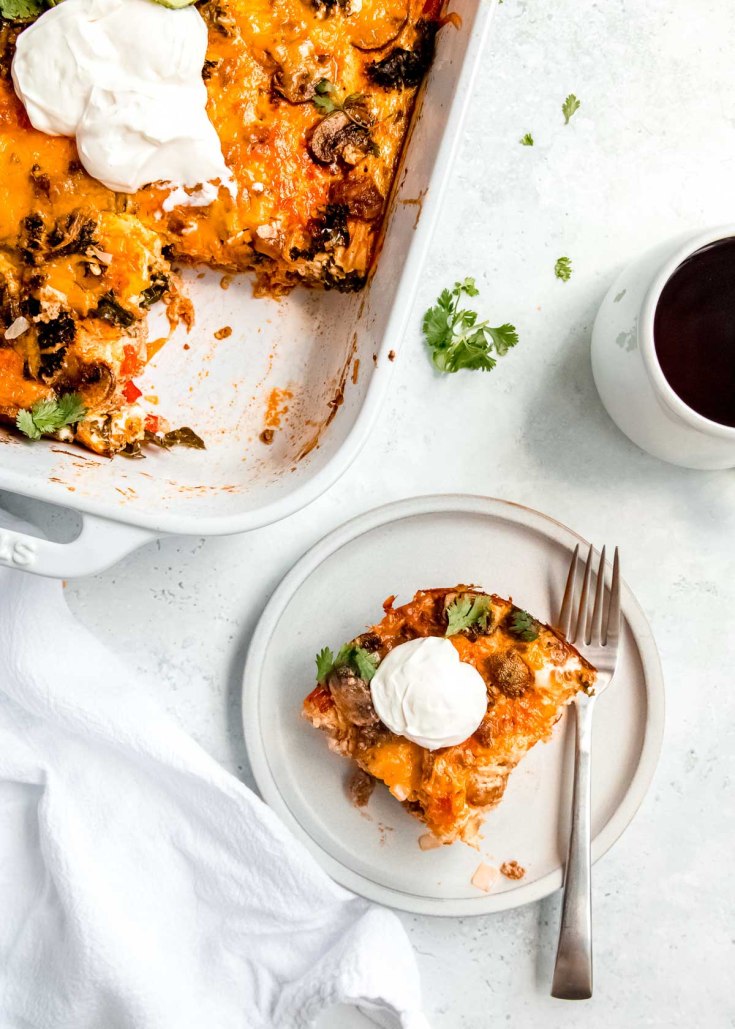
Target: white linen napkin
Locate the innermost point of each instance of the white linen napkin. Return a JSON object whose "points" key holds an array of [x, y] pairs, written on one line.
{"points": [[141, 885]]}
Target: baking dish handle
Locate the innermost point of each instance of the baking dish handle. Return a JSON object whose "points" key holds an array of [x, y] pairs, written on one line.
{"points": [[98, 546]]}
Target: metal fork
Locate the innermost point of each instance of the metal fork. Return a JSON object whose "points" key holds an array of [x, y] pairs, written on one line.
{"points": [[596, 636]]}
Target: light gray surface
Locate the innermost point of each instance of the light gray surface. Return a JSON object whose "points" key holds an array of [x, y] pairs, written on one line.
{"points": [[650, 153]]}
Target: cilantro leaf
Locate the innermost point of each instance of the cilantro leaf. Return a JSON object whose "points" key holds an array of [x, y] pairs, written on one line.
{"points": [[21, 10], [436, 320], [563, 268], [70, 409], [343, 656], [46, 417], [465, 612], [365, 662], [362, 661], [325, 104], [355, 105], [526, 140], [324, 664], [468, 286], [570, 105], [322, 98], [455, 337], [25, 423], [524, 626], [504, 337]]}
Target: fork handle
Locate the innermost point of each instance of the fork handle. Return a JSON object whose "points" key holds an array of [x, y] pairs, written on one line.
{"points": [[573, 968]]}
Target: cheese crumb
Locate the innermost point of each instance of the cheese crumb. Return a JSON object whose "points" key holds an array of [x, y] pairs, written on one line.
{"points": [[485, 877]]}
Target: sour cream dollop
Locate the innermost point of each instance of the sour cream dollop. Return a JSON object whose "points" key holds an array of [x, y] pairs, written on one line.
{"points": [[423, 691], [125, 78]]}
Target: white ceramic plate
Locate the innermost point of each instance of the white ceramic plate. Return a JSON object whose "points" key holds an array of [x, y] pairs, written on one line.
{"points": [[335, 591]]}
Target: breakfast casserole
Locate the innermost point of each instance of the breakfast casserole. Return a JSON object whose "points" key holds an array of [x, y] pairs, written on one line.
{"points": [[530, 673], [311, 102]]}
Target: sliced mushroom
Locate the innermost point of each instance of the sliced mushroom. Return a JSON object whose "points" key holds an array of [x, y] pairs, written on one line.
{"points": [[358, 110], [374, 28], [356, 144], [369, 735], [96, 384], [325, 141], [510, 673], [360, 195], [338, 137], [360, 787], [218, 17], [297, 85], [369, 641], [352, 696]]}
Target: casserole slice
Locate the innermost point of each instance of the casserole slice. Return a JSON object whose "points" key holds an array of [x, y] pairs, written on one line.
{"points": [[531, 673]]}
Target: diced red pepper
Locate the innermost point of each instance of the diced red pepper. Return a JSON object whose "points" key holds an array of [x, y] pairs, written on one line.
{"points": [[130, 363], [131, 392], [151, 423]]}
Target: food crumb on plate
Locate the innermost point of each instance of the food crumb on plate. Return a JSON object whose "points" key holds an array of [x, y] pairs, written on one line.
{"points": [[384, 830], [512, 870], [429, 842], [266, 436], [223, 333], [485, 877], [360, 787], [225, 282]]}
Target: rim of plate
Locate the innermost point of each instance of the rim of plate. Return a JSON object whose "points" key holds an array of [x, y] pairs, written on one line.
{"points": [[460, 503]]}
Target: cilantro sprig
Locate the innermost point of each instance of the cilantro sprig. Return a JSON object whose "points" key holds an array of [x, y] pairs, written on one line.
{"points": [[455, 337], [569, 107], [46, 417], [563, 268], [362, 661], [524, 626], [466, 611], [526, 140], [354, 105]]}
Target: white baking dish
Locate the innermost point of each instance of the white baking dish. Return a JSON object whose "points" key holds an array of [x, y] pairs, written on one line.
{"points": [[309, 343]]}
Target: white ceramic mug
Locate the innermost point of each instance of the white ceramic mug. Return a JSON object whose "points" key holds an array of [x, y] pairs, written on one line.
{"points": [[627, 372]]}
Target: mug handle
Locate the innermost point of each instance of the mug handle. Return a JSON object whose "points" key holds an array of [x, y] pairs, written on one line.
{"points": [[99, 545]]}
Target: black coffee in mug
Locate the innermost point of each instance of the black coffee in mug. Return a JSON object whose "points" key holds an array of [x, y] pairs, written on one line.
{"points": [[694, 331]]}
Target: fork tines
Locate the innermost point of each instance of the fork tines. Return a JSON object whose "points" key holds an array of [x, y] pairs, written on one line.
{"points": [[602, 627]]}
